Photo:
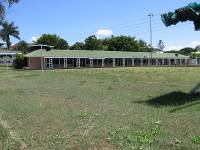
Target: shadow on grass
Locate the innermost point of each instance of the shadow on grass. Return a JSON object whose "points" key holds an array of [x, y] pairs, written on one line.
{"points": [[173, 99]]}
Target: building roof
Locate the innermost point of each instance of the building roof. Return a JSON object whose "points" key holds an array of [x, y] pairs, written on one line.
{"points": [[100, 54], [9, 52]]}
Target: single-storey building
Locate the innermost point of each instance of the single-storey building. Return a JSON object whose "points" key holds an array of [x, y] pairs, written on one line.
{"points": [[63, 59], [7, 56]]}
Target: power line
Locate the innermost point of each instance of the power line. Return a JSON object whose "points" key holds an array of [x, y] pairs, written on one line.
{"points": [[158, 29], [129, 23], [135, 26], [142, 28]]}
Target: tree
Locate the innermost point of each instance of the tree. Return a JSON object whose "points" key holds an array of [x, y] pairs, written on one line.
{"points": [[195, 55], [53, 40], [122, 43], [78, 46], [189, 13], [8, 30], [161, 45], [187, 51], [4, 4], [118, 43], [197, 48], [19, 62], [21, 46], [143, 46], [92, 43]]}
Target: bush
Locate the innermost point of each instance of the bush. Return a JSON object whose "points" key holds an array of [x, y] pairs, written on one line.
{"points": [[18, 63]]}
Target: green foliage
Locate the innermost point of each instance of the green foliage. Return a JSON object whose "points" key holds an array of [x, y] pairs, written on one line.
{"points": [[3, 5], [125, 138], [188, 13], [118, 43], [187, 51], [6, 142], [3, 134], [78, 46], [53, 40], [196, 140], [19, 62], [92, 43], [143, 46], [122, 43], [8, 30], [195, 55]]}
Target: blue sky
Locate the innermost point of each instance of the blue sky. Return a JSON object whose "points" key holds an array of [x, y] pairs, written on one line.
{"points": [[74, 20]]}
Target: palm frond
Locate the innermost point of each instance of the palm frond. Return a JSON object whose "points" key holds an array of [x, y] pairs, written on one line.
{"points": [[4, 4], [8, 30]]}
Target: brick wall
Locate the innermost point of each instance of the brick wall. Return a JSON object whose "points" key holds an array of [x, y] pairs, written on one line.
{"points": [[34, 63]]}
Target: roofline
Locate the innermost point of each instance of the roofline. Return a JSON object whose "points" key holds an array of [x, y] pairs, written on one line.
{"points": [[111, 57], [42, 45], [102, 54]]}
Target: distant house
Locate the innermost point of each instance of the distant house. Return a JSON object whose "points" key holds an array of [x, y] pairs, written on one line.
{"points": [[63, 59], [7, 56], [157, 50]]}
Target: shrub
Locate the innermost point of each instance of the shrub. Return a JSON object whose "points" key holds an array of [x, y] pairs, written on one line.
{"points": [[18, 63]]}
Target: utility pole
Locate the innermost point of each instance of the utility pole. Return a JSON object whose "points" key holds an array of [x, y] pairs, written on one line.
{"points": [[151, 35], [42, 60], [7, 61]]}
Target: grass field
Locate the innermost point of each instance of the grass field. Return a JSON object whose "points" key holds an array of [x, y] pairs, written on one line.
{"points": [[103, 109]]}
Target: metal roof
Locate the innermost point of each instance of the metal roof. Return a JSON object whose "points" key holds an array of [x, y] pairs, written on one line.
{"points": [[100, 54], [9, 52]]}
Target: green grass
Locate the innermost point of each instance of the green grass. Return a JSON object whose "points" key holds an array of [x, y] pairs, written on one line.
{"points": [[6, 141], [124, 108]]}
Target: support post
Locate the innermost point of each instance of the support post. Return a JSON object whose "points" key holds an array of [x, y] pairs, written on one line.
{"points": [[186, 62], [124, 62], [29, 62], [113, 62], [163, 62], [59, 63], [133, 62], [45, 66], [141, 62], [169, 62], [156, 62], [65, 63], [78, 63], [103, 63], [175, 62], [149, 61], [91, 63]]}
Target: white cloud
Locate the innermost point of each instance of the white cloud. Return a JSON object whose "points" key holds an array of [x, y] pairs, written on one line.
{"points": [[178, 47], [34, 39], [103, 33], [193, 44]]}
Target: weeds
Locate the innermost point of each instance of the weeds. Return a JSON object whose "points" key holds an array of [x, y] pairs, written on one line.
{"points": [[196, 140], [125, 138]]}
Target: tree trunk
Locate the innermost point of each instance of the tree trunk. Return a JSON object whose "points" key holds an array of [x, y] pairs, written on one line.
{"points": [[8, 43]]}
